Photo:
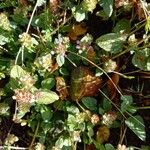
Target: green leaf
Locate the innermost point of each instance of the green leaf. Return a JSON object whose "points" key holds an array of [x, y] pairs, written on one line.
{"points": [[17, 72], [60, 60], [137, 126], [111, 42], [79, 14], [72, 109], [90, 103], [46, 113], [47, 97], [144, 147], [122, 25], [106, 105], [41, 2], [3, 40], [109, 147], [141, 59], [147, 25], [107, 6], [48, 83], [127, 103]]}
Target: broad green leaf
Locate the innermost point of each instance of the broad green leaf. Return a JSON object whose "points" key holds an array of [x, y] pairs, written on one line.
{"points": [[107, 6], [90, 103], [47, 97], [109, 147], [141, 59], [17, 72], [48, 83], [136, 124], [60, 60], [111, 42], [46, 113], [122, 25], [126, 105], [106, 105]]}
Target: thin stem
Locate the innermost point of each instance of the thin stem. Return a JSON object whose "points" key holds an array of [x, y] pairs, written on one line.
{"points": [[144, 107], [35, 134], [112, 103], [13, 147], [20, 50], [33, 12]]}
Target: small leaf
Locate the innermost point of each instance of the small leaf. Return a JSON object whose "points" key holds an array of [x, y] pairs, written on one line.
{"points": [[47, 97], [17, 72], [46, 113], [109, 147], [60, 60], [137, 126], [3, 40], [126, 105], [111, 42], [40, 2], [147, 25], [48, 83], [90, 103], [107, 6], [79, 14], [122, 25], [141, 59]]}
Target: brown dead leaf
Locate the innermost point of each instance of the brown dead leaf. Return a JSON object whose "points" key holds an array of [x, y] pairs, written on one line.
{"points": [[61, 88], [53, 5], [53, 68], [91, 54], [111, 89], [77, 30], [139, 9], [102, 134], [23, 3], [90, 147]]}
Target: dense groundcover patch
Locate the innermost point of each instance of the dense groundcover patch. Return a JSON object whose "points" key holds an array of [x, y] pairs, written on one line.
{"points": [[74, 75]]}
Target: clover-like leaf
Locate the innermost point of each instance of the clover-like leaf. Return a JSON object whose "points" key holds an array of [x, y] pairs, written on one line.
{"points": [[90, 102], [17, 72], [141, 59], [107, 6], [137, 126], [60, 60], [47, 97], [111, 42]]}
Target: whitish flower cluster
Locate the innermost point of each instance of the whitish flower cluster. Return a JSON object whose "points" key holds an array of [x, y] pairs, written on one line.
{"points": [[27, 81], [45, 61], [39, 146], [95, 119], [122, 147], [110, 65], [26, 40], [62, 43], [4, 22], [24, 96], [85, 43], [11, 139], [109, 118], [76, 136]]}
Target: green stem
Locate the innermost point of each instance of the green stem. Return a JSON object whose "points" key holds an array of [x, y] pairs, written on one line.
{"points": [[144, 107]]}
